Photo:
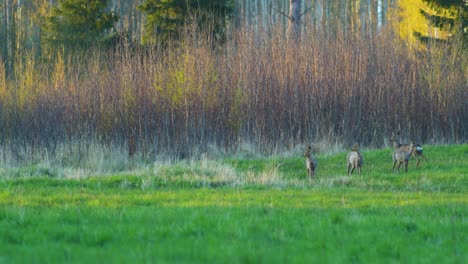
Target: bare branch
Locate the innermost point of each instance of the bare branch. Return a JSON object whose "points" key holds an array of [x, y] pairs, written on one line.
{"points": [[307, 10], [281, 12]]}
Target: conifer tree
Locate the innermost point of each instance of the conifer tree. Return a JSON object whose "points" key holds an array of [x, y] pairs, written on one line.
{"points": [[166, 17], [78, 24], [450, 16]]}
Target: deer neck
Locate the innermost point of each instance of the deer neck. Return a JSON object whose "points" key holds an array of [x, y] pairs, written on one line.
{"points": [[396, 144]]}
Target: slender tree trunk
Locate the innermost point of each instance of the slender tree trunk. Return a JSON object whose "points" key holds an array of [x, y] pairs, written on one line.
{"points": [[294, 25], [10, 30], [3, 35]]}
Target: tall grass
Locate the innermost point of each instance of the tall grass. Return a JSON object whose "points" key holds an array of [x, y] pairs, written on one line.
{"points": [[255, 89], [445, 171]]}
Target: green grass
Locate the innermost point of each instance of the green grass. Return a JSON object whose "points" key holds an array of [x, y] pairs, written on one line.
{"points": [[242, 211]]}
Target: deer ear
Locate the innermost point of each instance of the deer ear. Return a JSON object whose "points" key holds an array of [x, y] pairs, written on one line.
{"points": [[309, 148], [398, 132]]}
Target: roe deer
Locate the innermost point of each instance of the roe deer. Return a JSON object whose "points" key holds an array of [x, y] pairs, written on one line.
{"points": [[417, 150], [401, 156], [310, 162], [354, 160]]}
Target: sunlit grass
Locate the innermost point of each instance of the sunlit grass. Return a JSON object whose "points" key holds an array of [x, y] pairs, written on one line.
{"points": [[233, 209], [63, 196]]}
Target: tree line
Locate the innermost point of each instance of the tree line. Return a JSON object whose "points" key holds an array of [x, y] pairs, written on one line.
{"points": [[38, 26], [45, 27]]}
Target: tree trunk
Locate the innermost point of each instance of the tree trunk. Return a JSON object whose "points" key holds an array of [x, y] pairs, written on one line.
{"points": [[294, 25]]}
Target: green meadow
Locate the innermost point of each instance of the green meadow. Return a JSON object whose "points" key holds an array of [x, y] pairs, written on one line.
{"points": [[241, 209]]}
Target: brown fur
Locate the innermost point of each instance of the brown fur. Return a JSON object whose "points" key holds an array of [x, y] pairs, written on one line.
{"points": [[310, 162], [354, 160], [402, 156], [417, 152]]}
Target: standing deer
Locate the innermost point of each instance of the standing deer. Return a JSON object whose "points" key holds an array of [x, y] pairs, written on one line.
{"points": [[354, 160], [417, 150], [310, 162], [417, 153], [402, 156]]}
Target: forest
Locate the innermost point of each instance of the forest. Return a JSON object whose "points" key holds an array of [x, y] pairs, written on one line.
{"points": [[151, 77]]}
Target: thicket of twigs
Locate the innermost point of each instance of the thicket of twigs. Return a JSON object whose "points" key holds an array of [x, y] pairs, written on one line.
{"points": [[255, 88]]}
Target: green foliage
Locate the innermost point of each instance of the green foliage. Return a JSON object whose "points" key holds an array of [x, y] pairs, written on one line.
{"points": [[3, 80], [165, 18], [78, 24]]}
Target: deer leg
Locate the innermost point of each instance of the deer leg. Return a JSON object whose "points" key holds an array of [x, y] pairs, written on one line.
{"points": [[352, 169], [424, 158], [394, 164], [311, 175], [406, 166], [359, 170], [399, 164], [349, 167]]}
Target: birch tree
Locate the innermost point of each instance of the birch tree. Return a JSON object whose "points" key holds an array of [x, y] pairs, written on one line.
{"points": [[294, 20], [294, 24]]}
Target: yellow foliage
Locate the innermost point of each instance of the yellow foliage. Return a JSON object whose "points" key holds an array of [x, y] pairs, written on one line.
{"points": [[170, 83], [128, 94], [3, 83], [58, 76], [411, 21], [176, 85], [179, 83], [236, 113], [27, 83], [190, 79]]}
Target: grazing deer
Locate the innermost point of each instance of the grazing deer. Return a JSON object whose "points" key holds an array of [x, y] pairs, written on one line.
{"points": [[354, 160], [402, 156], [310, 162], [417, 153], [417, 150]]}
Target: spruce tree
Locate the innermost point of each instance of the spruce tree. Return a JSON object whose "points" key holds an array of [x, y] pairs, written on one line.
{"points": [[165, 18], [78, 24], [450, 16]]}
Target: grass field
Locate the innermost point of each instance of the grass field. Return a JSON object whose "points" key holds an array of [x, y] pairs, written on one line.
{"points": [[241, 210]]}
